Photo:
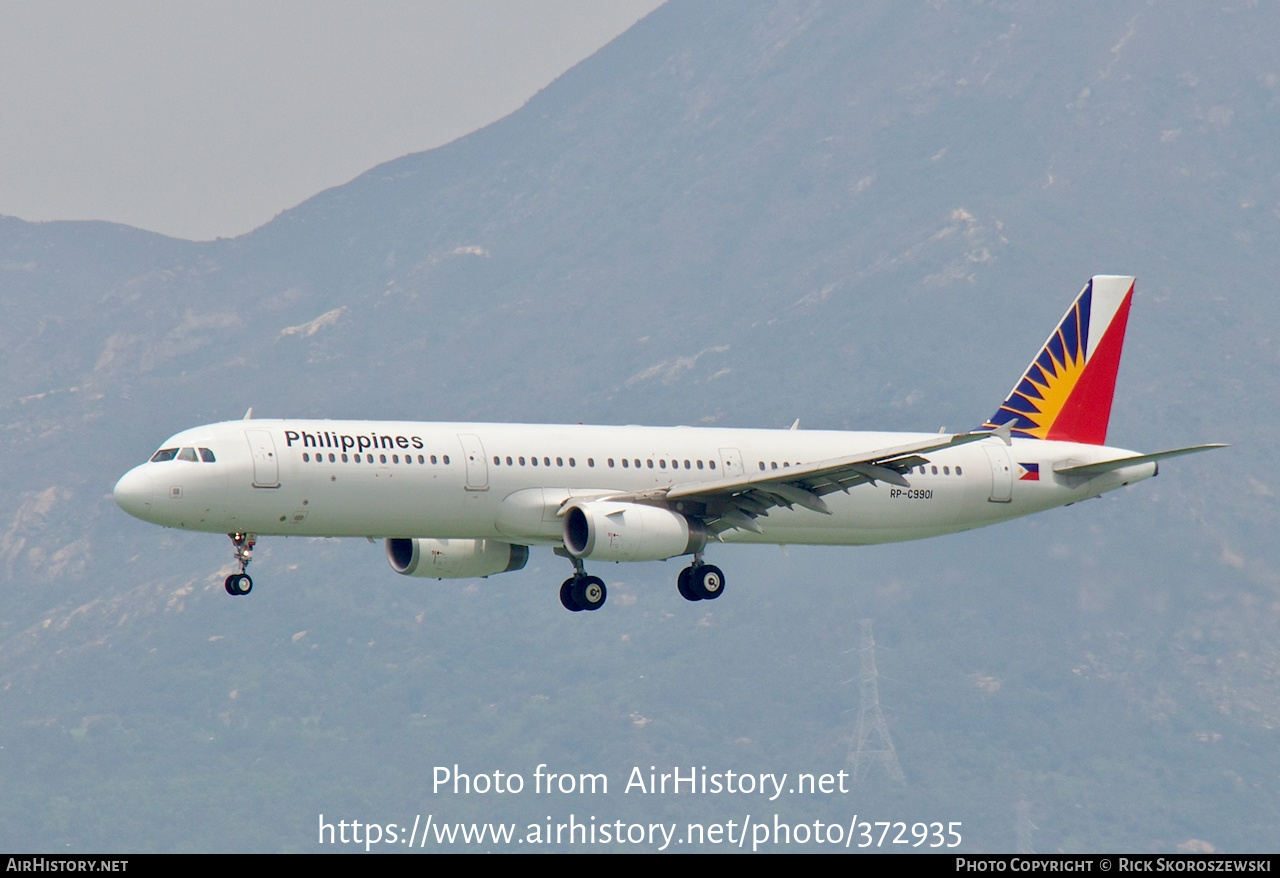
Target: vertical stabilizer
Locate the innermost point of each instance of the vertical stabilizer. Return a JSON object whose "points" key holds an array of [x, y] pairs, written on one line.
{"points": [[1066, 392]]}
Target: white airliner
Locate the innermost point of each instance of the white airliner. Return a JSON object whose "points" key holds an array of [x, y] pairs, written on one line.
{"points": [[468, 500]]}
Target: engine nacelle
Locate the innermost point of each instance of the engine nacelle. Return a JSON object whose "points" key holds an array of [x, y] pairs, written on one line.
{"points": [[454, 559], [608, 531]]}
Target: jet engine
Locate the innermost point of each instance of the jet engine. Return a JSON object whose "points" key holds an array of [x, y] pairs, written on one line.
{"points": [[608, 531], [454, 559]]}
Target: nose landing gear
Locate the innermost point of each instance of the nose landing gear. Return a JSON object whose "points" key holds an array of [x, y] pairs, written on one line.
{"points": [[238, 584]]}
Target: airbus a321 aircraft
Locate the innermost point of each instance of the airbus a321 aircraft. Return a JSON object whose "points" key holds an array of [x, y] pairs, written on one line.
{"points": [[468, 500]]}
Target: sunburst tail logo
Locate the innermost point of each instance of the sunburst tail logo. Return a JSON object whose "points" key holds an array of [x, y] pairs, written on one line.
{"points": [[1067, 390]]}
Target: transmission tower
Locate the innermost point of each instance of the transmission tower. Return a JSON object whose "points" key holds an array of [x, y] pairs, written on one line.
{"points": [[1023, 826], [872, 745]]}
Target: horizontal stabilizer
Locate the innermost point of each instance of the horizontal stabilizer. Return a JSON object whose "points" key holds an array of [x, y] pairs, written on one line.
{"points": [[1106, 466]]}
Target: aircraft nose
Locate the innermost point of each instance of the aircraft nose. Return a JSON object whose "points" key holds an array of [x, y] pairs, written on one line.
{"points": [[134, 492]]}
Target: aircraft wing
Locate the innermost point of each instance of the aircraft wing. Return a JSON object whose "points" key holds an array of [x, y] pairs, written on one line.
{"points": [[1106, 466], [737, 503]]}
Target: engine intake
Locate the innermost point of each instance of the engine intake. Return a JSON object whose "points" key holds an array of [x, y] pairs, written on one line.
{"points": [[608, 531], [454, 559]]}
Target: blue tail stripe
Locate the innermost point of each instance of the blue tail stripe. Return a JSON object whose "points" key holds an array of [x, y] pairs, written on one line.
{"points": [[1055, 348], [1020, 403], [1071, 333], [1086, 302], [1027, 389]]}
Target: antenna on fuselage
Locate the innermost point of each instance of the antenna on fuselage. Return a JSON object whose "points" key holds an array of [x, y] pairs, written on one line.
{"points": [[248, 416]]}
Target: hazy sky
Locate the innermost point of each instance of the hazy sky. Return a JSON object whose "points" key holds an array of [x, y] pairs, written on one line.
{"points": [[207, 119]]}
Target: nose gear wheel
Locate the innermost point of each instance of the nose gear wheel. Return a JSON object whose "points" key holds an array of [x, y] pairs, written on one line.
{"points": [[239, 584]]}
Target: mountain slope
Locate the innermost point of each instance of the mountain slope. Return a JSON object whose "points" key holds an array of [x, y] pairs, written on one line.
{"points": [[865, 216]]}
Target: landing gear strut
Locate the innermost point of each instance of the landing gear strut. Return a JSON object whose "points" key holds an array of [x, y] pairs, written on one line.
{"points": [[582, 592], [238, 584], [700, 582]]}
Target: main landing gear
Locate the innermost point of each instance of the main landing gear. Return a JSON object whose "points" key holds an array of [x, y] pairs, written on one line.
{"points": [[238, 584], [700, 582], [582, 592], [697, 582]]}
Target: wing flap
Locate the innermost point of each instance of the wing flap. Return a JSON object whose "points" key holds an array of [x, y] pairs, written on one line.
{"points": [[800, 497]]}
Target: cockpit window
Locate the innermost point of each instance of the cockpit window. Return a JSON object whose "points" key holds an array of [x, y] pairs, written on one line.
{"points": [[188, 454], [164, 454], [206, 455]]}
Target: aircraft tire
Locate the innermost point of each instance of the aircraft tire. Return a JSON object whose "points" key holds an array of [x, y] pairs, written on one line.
{"points": [[566, 597], [685, 585], [590, 593], [238, 584], [707, 582]]}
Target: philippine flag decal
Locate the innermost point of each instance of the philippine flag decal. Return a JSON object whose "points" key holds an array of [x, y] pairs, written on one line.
{"points": [[1029, 472]]}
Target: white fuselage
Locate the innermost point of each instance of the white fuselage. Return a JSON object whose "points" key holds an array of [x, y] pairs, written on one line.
{"points": [[509, 481]]}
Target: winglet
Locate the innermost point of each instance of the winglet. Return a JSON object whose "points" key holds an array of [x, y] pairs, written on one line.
{"points": [[1067, 390]]}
